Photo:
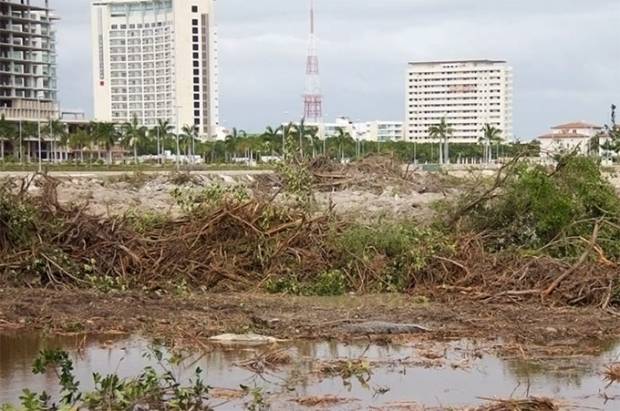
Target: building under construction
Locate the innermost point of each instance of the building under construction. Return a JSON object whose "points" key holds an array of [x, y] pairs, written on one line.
{"points": [[27, 60]]}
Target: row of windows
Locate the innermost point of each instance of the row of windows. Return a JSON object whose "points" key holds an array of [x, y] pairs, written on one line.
{"points": [[438, 79], [427, 93], [196, 65], [446, 73]]}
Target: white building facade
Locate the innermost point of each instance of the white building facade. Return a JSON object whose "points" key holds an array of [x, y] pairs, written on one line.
{"points": [[363, 131], [156, 60], [468, 94], [576, 136]]}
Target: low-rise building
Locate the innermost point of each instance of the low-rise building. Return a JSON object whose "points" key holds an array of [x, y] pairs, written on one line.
{"points": [[565, 138]]}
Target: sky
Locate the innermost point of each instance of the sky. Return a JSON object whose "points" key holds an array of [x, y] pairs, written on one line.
{"points": [[565, 55]]}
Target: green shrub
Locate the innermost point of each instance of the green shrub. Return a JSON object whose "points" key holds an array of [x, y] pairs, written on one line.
{"points": [[397, 250], [212, 196], [536, 206], [329, 283]]}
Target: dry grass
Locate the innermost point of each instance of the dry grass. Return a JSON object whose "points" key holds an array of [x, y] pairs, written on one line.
{"points": [[322, 401], [611, 374], [268, 361], [530, 404]]}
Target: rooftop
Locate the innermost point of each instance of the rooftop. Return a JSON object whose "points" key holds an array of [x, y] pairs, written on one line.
{"points": [[554, 136], [415, 63], [576, 125]]}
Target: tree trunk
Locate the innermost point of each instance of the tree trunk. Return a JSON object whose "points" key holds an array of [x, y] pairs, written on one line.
{"points": [[110, 157], [135, 154], [2, 150]]}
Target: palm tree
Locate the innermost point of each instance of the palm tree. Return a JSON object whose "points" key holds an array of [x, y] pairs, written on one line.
{"points": [[491, 135], [232, 140], [54, 130], [134, 135], [441, 132], [162, 131], [191, 134], [301, 133], [105, 135], [272, 135], [342, 137], [79, 141], [287, 131], [313, 135]]}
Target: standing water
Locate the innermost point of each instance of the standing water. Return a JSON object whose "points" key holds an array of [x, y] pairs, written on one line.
{"points": [[457, 374]]}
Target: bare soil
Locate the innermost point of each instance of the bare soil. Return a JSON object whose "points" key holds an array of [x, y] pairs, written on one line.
{"points": [[512, 329]]}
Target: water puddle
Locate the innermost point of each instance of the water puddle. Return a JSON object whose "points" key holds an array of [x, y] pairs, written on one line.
{"points": [[451, 374]]}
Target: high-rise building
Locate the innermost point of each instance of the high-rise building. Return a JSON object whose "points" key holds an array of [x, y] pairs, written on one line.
{"points": [[27, 60], [468, 94], [156, 60]]}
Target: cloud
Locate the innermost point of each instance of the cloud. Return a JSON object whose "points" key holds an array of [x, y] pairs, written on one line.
{"points": [[564, 55]]}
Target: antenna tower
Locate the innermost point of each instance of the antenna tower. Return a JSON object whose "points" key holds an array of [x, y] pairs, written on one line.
{"points": [[313, 100]]}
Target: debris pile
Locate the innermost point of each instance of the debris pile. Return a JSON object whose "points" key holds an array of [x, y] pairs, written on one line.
{"points": [[375, 173]]}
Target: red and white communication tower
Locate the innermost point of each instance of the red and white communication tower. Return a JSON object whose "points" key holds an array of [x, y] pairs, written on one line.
{"points": [[313, 100]]}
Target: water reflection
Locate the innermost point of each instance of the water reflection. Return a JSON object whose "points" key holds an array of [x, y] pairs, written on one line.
{"points": [[460, 379]]}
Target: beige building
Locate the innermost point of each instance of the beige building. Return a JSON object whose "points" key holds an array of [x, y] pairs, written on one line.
{"points": [[156, 59], [468, 94], [569, 137]]}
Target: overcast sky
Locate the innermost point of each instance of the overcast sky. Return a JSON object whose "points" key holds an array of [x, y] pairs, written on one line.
{"points": [[565, 55]]}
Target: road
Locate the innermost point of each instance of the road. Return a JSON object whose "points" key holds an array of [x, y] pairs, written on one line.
{"points": [[103, 173]]}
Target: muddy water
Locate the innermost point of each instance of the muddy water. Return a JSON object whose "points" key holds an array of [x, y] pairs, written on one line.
{"points": [[462, 374]]}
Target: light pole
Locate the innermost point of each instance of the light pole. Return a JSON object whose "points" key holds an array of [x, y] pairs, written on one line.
{"points": [[21, 148], [177, 137], [39, 134]]}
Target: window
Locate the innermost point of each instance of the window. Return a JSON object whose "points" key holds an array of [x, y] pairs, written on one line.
{"points": [[196, 104], [196, 64], [196, 55], [194, 22], [196, 80], [196, 47], [195, 30], [195, 39], [197, 113], [197, 121], [194, 9], [196, 88], [196, 72], [196, 96]]}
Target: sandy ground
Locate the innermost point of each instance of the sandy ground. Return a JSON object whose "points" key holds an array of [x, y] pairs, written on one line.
{"points": [[118, 193]]}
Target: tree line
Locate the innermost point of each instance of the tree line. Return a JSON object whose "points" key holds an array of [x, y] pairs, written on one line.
{"points": [[98, 141]]}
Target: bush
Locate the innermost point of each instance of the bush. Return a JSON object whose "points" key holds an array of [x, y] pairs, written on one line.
{"points": [[395, 250], [329, 283], [208, 198], [536, 207]]}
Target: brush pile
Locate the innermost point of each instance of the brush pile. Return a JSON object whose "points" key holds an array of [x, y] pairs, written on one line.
{"points": [[235, 245], [374, 173], [532, 234]]}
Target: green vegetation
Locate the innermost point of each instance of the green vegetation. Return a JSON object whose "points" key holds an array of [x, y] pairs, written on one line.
{"points": [[557, 210], [549, 219], [150, 390]]}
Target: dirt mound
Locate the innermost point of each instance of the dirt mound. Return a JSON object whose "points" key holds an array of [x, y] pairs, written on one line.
{"points": [[374, 173]]}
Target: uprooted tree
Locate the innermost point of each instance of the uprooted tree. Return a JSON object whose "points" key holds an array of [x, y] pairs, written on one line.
{"points": [[531, 231]]}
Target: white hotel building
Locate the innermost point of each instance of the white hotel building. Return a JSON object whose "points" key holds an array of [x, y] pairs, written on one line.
{"points": [[468, 94], [156, 59]]}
